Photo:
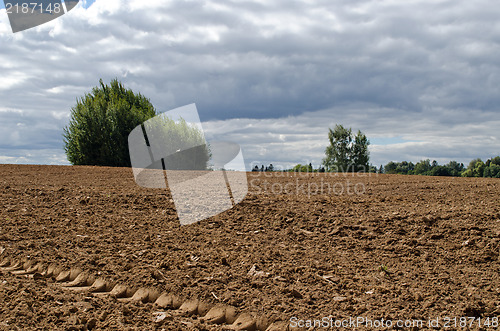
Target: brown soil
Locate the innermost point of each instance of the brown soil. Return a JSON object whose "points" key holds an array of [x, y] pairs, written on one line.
{"points": [[391, 247]]}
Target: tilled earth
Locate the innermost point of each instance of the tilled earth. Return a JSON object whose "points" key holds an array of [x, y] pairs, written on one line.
{"points": [[298, 248]]}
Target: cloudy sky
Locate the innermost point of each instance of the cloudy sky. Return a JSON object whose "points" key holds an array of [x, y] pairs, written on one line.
{"points": [[420, 77]]}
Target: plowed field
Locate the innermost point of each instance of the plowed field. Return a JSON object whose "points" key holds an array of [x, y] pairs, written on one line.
{"points": [[298, 248]]}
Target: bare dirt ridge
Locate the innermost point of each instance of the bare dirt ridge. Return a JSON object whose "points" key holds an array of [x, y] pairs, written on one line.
{"points": [[400, 247], [75, 279]]}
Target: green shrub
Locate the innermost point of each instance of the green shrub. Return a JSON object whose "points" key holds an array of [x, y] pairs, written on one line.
{"points": [[467, 173]]}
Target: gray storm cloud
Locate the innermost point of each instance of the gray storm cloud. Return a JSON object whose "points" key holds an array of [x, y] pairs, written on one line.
{"points": [[424, 70]]}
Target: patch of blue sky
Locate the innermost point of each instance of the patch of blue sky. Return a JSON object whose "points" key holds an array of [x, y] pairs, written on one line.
{"points": [[87, 3]]}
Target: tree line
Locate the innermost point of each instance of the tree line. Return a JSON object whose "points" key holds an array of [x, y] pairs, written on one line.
{"points": [[348, 152], [297, 168], [475, 168]]}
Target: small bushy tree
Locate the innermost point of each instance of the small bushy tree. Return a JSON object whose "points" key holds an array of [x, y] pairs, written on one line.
{"points": [[477, 167], [405, 168], [390, 168], [455, 168], [302, 168], [423, 167], [492, 171], [491, 168], [100, 123]]}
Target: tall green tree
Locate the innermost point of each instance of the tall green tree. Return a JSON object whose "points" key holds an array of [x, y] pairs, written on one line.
{"points": [[346, 152]]}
